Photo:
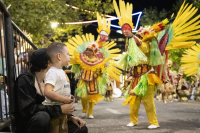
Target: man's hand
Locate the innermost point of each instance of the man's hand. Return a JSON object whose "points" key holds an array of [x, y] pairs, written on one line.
{"points": [[67, 109], [68, 100], [127, 33], [77, 121], [73, 98]]}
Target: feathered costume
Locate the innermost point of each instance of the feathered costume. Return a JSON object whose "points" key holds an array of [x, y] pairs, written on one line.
{"points": [[145, 53], [191, 60], [92, 73]]}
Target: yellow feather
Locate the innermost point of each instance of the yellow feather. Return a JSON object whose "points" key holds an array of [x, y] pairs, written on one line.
{"points": [[79, 39], [98, 38], [87, 37], [114, 44], [84, 38], [189, 60], [75, 40], [72, 42], [109, 44], [125, 13], [114, 51]]}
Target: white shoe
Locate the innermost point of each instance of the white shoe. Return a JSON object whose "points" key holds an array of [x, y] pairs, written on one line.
{"points": [[131, 124], [83, 115], [153, 127], [91, 117]]}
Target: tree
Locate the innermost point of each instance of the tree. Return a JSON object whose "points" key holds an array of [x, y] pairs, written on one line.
{"points": [[34, 16], [152, 16]]}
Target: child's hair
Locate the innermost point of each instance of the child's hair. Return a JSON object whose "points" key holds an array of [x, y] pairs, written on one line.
{"points": [[54, 48]]}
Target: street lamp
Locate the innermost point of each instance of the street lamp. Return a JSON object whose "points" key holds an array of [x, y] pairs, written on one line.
{"points": [[54, 25]]}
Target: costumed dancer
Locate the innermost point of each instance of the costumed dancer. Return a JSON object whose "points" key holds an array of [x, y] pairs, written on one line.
{"points": [[182, 88], [172, 89], [166, 91], [92, 62], [111, 84], [141, 55]]}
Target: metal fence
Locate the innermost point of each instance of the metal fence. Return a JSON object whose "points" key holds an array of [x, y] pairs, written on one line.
{"points": [[15, 48]]}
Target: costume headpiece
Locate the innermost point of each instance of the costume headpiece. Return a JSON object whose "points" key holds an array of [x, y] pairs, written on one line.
{"points": [[146, 32], [149, 32], [124, 15], [77, 46], [94, 46], [103, 28], [184, 29]]}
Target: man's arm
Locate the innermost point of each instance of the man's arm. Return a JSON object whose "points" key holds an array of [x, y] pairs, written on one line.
{"points": [[67, 71]]}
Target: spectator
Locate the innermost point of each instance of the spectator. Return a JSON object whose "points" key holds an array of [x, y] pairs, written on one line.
{"points": [[33, 116]]}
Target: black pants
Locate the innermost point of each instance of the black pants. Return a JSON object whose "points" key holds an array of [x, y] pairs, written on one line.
{"points": [[39, 123], [73, 87]]}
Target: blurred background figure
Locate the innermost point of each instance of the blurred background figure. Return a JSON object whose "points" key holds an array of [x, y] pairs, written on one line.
{"points": [[73, 81]]}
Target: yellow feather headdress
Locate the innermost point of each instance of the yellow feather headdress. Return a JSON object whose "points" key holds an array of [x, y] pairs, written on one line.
{"points": [[103, 26], [125, 13], [191, 60], [185, 28]]}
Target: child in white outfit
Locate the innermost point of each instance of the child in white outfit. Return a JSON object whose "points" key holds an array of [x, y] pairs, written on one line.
{"points": [[57, 87]]}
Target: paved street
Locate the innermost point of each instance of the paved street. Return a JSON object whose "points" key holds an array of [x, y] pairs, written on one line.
{"points": [[175, 117]]}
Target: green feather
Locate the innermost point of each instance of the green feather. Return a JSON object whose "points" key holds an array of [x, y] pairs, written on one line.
{"points": [[141, 88], [105, 52], [76, 68], [126, 95], [123, 62], [170, 34], [135, 55], [81, 91], [155, 55], [101, 87], [161, 34], [102, 83]]}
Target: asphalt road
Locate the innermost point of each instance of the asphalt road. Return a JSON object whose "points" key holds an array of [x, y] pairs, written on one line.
{"points": [[173, 117]]}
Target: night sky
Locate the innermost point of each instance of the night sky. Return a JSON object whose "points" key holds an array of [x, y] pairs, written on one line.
{"points": [[138, 5]]}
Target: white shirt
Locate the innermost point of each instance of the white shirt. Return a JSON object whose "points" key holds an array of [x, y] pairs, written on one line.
{"points": [[58, 79]]}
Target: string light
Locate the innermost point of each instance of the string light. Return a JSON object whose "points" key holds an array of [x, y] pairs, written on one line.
{"points": [[86, 10], [93, 21], [112, 25]]}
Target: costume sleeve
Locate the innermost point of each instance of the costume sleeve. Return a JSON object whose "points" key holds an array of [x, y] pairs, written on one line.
{"points": [[27, 103], [144, 47]]}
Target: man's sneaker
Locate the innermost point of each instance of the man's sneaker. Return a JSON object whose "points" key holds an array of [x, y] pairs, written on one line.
{"points": [[91, 117], [153, 127], [83, 115], [131, 124]]}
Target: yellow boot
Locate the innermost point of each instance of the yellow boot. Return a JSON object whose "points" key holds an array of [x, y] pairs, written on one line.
{"points": [[84, 102]]}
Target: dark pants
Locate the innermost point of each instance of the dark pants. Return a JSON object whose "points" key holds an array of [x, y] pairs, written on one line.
{"points": [[39, 123], [73, 87]]}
